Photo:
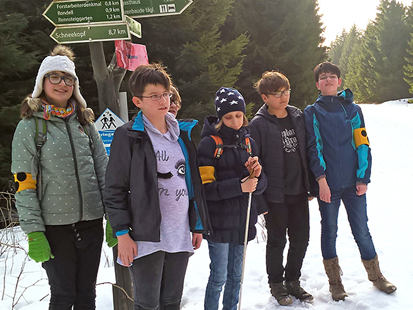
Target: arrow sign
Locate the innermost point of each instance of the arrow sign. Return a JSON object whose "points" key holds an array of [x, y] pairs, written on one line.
{"points": [[83, 11], [151, 8], [96, 32]]}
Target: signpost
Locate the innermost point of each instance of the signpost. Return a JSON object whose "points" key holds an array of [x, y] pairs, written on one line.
{"points": [[152, 8], [93, 32], [82, 11], [134, 27]]}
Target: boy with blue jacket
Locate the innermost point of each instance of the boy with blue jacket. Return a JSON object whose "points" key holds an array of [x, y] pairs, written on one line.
{"points": [[340, 158], [153, 194]]}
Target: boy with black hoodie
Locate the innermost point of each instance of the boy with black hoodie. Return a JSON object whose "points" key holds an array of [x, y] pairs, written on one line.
{"points": [[279, 131]]}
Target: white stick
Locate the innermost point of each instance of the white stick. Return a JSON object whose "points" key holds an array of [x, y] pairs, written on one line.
{"points": [[245, 246]]}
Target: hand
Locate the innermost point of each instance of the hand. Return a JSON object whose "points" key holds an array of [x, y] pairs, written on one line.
{"points": [[39, 248], [127, 249], [325, 193], [361, 189], [110, 240], [249, 185], [196, 240], [253, 166]]}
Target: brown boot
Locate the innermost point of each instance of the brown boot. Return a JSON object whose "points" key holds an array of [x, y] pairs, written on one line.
{"points": [[334, 273], [279, 291], [375, 276]]}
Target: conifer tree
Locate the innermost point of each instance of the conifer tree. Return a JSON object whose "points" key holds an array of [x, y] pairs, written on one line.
{"points": [[285, 35], [15, 61], [197, 57], [392, 36]]}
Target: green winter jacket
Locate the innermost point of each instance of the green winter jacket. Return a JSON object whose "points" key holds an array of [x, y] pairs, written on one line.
{"points": [[73, 162]]}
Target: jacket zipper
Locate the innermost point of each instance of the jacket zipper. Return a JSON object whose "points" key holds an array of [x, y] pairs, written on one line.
{"points": [[79, 189]]}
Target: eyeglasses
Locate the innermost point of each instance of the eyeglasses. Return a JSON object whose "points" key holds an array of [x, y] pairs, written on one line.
{"points": [[325, 77], [157, 97], [278, 94], [56, 79], [175, 102]]}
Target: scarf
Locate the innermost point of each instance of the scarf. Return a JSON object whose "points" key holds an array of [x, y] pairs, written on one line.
{"points": [[49, 109]]}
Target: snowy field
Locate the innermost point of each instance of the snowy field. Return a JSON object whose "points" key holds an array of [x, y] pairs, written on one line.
{"points": [[390, 201]]}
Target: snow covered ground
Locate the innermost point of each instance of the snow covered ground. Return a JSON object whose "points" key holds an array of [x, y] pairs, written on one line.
{"points": [[390, 126]]}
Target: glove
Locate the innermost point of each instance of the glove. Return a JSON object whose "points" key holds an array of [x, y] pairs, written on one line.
{"points": [[39, 248], [110, 240]]}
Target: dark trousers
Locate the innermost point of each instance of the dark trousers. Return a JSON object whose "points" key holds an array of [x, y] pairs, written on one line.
{"points": [[73, 270], [290, 217], [158, 280]]}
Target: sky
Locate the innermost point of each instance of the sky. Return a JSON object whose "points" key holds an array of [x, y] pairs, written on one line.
{"points": [[339, 15], [23, 282]]}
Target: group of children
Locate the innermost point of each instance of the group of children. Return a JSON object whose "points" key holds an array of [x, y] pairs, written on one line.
{"points": [[163, 195]]}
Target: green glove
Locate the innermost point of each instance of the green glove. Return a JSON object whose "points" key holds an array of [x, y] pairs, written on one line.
{"points": [[39, 248], [110, 240]]}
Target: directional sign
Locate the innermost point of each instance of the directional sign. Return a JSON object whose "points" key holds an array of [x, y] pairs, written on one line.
{"points": [[134, 27], [106, 124], [151, 8], [84, 11], [91, 33]]}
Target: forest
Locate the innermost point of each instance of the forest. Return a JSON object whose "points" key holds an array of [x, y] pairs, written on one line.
{"points": [[216, 43]]}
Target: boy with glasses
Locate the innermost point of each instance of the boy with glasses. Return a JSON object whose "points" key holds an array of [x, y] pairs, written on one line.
{"points": [[154, 195], [339, 155], [279, 132]]}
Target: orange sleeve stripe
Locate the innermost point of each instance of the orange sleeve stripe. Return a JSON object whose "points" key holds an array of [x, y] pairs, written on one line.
{"points": [[207, 174]]}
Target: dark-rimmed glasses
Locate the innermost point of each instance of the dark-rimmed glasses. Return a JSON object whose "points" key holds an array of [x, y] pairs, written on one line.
{"points": [[56, 79]]}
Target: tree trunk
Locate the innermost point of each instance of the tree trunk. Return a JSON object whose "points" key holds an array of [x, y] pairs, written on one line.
{"points": [[108, 78]]}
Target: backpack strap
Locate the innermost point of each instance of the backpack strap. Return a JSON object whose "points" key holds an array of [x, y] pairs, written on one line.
{"points": [[41, 133], [39, 139], [219, 146], [248, 145]]}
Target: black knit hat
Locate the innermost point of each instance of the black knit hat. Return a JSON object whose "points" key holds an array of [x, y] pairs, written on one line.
{"points": [[228, 100]]}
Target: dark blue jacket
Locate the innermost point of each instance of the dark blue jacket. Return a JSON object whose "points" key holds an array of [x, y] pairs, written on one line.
{"points": [[227, 204], [131, 194], [330, 124]]}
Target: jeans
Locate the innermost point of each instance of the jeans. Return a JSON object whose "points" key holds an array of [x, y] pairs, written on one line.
{"points": [[356, 208], [290, 217], [225, 268], [158, 280], [73, 270]]}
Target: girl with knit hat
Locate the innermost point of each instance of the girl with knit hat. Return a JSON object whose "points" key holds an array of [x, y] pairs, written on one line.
{"points": [[59, 169], [230, 170]]}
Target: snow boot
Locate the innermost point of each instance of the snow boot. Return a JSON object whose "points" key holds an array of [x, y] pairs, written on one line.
{"points": [[334, 273], [375, 276], [294, 288], [279, 291]]}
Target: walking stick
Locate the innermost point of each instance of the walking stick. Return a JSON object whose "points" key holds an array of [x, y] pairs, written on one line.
{"points": [[245, 247], [247, 224]]}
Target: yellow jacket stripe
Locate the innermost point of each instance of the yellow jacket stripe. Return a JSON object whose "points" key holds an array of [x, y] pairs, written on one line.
{"points": [[24, 181], [207, 174], [360, 137]]}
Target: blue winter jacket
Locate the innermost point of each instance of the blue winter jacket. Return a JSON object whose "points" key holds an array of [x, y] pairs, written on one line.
{"points": [[332, 124]]}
